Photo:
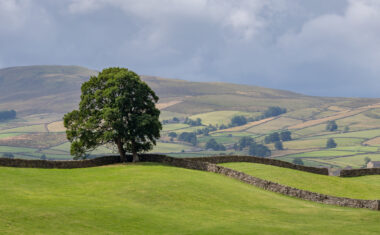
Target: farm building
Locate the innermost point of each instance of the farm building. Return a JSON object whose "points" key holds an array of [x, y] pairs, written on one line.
{"points": [[373, 164]]}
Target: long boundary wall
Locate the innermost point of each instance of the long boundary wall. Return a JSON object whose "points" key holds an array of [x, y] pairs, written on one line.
{"points": [[359, 172], [101, 161], [261, 160]]}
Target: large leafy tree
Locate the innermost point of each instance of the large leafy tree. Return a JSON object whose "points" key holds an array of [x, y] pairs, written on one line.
{"points": [[116, 107]]}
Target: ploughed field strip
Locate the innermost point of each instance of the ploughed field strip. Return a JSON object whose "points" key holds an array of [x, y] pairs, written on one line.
{"points": [[364, 187], [149, 198]]}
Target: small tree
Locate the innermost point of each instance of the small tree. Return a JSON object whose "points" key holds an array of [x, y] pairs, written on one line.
{"points": [[43, 157], [330, 143], [278, 145], [298, 161], [331, 126], [116, 107]]}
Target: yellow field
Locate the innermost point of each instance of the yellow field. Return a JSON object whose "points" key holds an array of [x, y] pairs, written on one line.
{"points": [[56, 127], [246, 126]]}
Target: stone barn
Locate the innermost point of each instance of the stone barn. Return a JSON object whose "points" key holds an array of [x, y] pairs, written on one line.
{"points": [[373, 164]]}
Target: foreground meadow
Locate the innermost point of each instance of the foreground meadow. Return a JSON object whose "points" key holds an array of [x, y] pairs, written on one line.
{"points": [[151, 198]]}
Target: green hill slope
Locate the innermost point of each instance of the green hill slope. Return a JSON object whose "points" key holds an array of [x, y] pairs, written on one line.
{"points": [[157, 199], [366, 187]]}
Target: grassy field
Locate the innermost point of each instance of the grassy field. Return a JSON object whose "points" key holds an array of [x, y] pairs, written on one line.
{"points": [[321, 143], [221, 117], [156, 199], [173, 127], [366, 187], [170, 147], [32, 128], [277, 124]]}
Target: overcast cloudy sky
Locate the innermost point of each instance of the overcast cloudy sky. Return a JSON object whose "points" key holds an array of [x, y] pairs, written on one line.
{"points": [[316, 47]]}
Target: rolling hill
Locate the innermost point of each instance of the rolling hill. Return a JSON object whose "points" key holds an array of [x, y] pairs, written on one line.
{"points": [[42, 94]]}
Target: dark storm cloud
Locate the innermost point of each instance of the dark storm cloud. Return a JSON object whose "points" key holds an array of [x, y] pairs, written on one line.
{"points": [[314, 47]]}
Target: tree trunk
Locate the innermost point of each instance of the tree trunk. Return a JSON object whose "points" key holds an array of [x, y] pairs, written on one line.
{"points": [[123, 158], [135, 157]]}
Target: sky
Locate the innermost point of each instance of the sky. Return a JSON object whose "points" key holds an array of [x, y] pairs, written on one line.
{"points": [[324, 48]]}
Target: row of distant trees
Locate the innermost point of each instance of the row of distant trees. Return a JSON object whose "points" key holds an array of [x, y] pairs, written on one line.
{"points": [[7, 115]]}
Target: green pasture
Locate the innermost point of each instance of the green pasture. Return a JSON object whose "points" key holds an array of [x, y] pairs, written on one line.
{"points": [[234, 134], [6, 135], [167, 115], [173, 127], [304, 114], [221, 117], [367, 134], [31, 128], [320, 143], [156, 199], [62, 147], [323, 154], [359, 122], [358, 148], [310, 131], [205, 153], [170, 147], [219, 139], [366, 187], [8, 149], [353, 161], [315, 162], [276, 124]]}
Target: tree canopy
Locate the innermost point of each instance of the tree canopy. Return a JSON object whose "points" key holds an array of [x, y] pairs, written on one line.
{"points": [[116, 107], [212, 144], [331, 126]]}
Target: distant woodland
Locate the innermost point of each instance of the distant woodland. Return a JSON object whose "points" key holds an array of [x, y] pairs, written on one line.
{"points": [[7, 115]]}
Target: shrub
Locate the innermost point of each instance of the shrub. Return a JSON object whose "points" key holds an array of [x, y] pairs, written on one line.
{"points": [[298, 161]]}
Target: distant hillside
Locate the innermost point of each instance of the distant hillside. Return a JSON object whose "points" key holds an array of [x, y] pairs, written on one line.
{"points": [[41, 89], [56, 89]]}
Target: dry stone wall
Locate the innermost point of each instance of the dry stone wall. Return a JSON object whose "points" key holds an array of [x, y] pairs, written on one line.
{"points": [[359, 172], [261, 160], [59, 164]]}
